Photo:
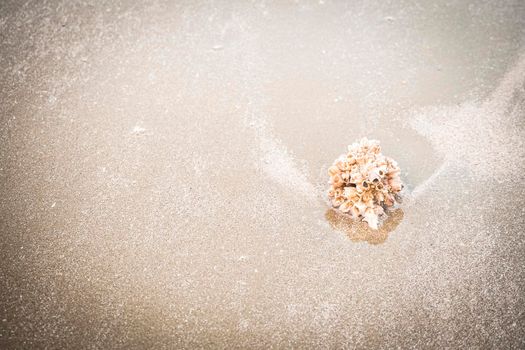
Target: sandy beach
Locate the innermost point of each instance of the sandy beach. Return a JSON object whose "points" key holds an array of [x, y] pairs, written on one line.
{"points": [[163, 173]]}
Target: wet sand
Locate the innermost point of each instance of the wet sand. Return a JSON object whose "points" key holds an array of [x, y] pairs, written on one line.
{"points": [[163, 174]]}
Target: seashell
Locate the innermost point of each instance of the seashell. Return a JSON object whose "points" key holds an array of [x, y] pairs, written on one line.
{"points": [[333, 170], [361, 207], [375, 149], [337, 181], [395, 184], [346, 206], [357, 177], [392, 173], [367, 196], [350, 192], [361, 160], [374, 176], [382, 164], [382, 170], [337, 201], [370, 203], [363, 186], [379, 210], [389, 200], [345, 165], [355, 212], [380, 197], [397, 187], [393, 163], [364, 182], [346, 176], [350, 157], [371, 218]]}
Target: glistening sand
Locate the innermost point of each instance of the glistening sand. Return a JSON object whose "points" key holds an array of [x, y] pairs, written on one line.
{"points": [[163, 168]]}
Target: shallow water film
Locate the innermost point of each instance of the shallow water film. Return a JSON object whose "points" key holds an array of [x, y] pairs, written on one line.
{"points": [[163, 174]]}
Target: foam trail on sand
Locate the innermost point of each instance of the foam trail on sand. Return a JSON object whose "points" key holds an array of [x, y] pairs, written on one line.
{"points": [[277, 162], [271, 156], [474, 138]]}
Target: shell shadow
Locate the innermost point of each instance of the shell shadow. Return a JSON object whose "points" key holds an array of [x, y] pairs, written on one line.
{"points": [[358, 231]]}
